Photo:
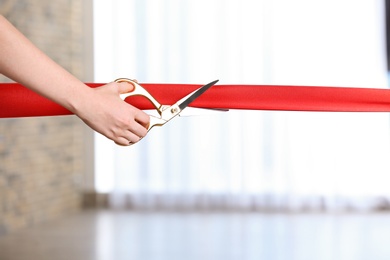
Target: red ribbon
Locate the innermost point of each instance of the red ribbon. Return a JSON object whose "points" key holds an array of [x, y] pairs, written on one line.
{"points": [[18, 101]]}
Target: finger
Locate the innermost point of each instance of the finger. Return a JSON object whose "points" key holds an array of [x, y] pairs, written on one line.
{"points": [[131, 137], [125, 87], [143, 119], [138, 129], [122, 141], [128, 138]]}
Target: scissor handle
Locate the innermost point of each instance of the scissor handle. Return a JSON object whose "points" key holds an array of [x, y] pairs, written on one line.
{"points": [[155, 121], [139, 91]]}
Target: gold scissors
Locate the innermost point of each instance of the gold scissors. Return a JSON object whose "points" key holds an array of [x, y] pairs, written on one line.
{"points": [[166, 112]]}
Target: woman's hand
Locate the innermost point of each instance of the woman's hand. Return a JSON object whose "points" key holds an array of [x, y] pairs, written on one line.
{"points": [[108, 114]]}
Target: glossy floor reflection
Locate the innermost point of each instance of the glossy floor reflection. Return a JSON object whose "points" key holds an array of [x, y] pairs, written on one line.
{"points": [[108, 235]]}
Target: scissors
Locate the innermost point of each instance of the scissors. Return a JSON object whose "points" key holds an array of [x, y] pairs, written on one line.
{"points": [[166, 112]]}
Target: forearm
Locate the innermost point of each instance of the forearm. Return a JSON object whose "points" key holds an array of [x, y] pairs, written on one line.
{"points": [[23, 62], [100, 108]]}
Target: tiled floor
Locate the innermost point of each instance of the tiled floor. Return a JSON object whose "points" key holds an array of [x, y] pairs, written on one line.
{"points": [[108, 235]]}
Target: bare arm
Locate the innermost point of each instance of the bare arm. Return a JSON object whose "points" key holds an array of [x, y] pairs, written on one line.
{"points": [[100, 108]]}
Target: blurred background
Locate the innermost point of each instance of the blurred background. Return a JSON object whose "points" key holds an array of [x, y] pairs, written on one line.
{"points": [[234, 185]]}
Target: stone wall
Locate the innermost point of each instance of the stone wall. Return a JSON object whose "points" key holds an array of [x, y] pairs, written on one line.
{"points": [[42, 159]]}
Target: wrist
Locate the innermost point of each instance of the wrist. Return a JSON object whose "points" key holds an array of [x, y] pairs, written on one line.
{"points": [[78, 99]]}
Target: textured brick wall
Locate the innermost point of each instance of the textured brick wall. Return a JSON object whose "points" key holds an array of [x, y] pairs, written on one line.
{"points": [[41, 159]]}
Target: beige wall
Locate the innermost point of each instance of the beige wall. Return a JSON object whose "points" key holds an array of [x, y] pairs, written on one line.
{"points": [[44, 161]]}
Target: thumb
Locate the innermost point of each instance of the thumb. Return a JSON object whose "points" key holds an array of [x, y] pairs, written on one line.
{"points": [[124, 87]]}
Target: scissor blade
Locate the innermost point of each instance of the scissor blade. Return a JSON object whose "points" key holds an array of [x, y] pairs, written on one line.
{"points": [[194, 95]]}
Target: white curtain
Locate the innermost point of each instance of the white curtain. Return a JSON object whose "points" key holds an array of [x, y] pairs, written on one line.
{"points": [[247, 159]]}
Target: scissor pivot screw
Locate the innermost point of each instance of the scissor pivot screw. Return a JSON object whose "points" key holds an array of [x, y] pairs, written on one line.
{"points": [[174, 110]]}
